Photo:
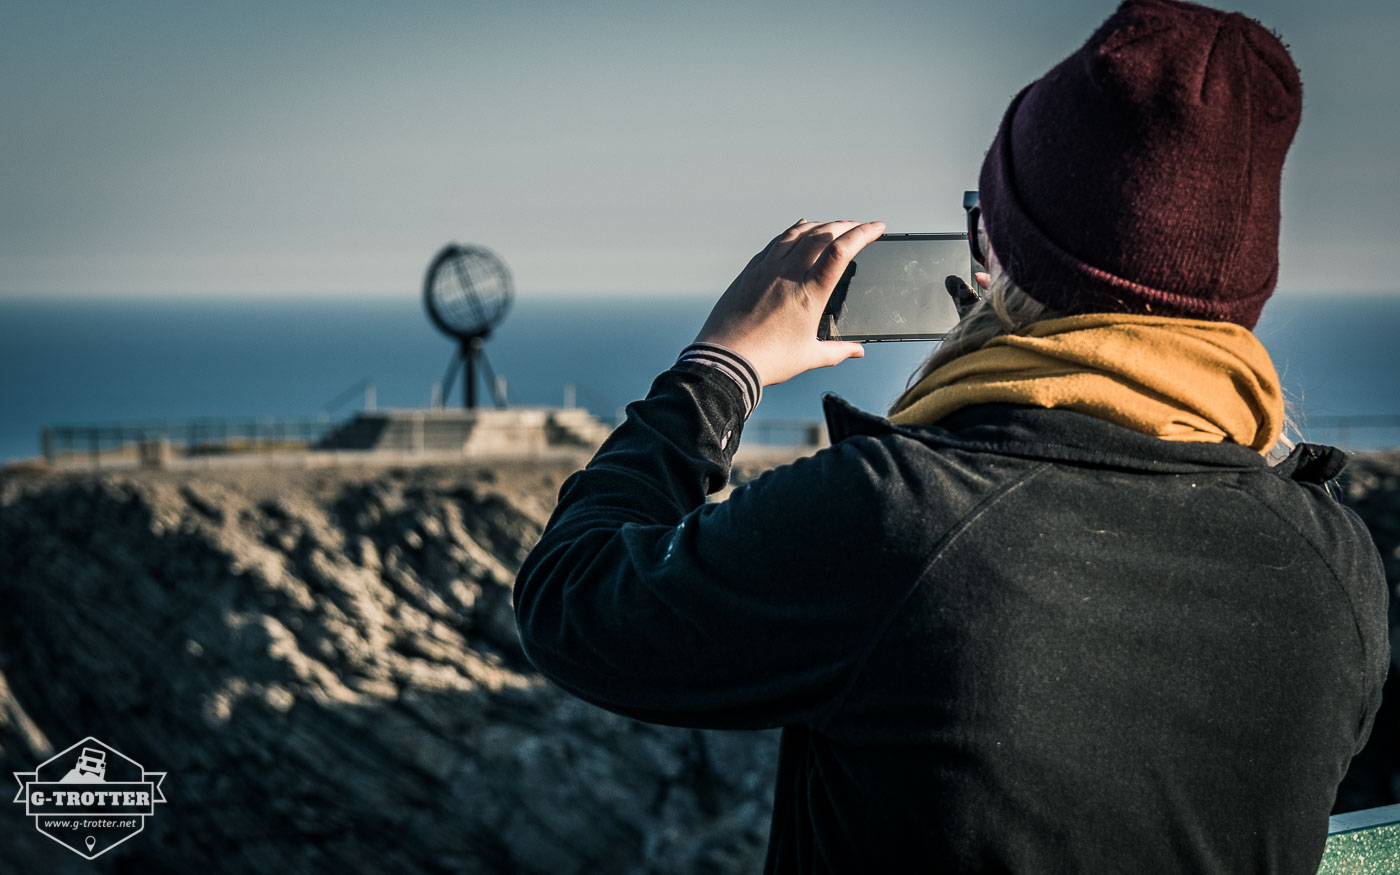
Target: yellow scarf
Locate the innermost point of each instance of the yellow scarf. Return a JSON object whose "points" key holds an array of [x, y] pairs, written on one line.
{"points": [[1177, 379]]}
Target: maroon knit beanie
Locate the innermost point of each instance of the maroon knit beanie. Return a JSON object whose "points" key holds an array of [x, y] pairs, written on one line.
{"points": [[1141, 174]]}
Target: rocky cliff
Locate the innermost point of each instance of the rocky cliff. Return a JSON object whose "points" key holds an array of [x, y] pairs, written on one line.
{"points": [[325, 663]]}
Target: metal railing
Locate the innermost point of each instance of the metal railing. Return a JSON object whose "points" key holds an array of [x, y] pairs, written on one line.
{"points": [[785, 432], [1341, 429], [191, 437]]}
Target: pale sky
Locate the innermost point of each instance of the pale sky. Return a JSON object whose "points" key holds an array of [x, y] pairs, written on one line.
{"points": [[260, 148]]}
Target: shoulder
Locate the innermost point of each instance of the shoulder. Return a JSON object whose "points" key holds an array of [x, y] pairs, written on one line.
{"points": [[1309, 508], [1336, 535], [888, 492]]}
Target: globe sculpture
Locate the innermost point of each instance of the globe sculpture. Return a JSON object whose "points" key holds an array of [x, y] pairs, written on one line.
{"points": [[467, 292]]}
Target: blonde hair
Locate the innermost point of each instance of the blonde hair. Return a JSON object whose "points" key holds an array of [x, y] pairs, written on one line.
{"points": [[1006, 309], [1003, 309]]}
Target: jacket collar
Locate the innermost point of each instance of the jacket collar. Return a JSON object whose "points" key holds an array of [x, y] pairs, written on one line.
{"points": [[1068, 436]]}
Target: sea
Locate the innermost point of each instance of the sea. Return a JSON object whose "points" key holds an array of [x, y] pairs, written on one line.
{"points": [[105, 361]]}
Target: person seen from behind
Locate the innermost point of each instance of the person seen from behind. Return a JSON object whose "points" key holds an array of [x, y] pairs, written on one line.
{"points": [[1056, 612]]}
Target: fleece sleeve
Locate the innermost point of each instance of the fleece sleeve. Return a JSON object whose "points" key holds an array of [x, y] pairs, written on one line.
{"points": [[749, 613]]}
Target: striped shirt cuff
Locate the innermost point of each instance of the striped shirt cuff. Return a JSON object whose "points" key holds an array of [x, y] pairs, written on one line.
{"points": [[732, 365]]}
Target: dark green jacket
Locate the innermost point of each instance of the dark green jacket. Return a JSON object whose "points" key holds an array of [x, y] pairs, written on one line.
{"points": [[1024, 640]]}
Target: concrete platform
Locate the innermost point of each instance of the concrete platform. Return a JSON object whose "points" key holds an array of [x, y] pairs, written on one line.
{"points": [[523, 430]]}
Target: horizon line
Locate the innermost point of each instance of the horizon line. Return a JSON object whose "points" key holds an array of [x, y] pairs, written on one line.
{"points": [[303, 296]]}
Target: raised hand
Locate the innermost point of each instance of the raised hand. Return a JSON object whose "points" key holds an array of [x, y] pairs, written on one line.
{"points": [[770, 313]]}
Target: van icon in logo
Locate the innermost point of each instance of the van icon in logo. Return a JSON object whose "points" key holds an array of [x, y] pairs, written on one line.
{"points": [[90, 798]]}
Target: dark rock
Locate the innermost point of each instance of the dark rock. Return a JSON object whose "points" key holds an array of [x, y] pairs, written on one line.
{"points": [[327, 666]]}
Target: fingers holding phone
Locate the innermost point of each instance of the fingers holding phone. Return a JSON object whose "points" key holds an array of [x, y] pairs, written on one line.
{"points": [[770, 313]]}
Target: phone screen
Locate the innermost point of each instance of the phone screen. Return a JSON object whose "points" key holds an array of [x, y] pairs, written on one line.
{"points": [[894, 289]]}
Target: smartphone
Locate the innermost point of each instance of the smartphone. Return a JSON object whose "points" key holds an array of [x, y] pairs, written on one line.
{"points": [[895, 289]]}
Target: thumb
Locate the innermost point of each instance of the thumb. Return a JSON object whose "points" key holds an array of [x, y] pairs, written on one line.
{"points": [[836, 351]]}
